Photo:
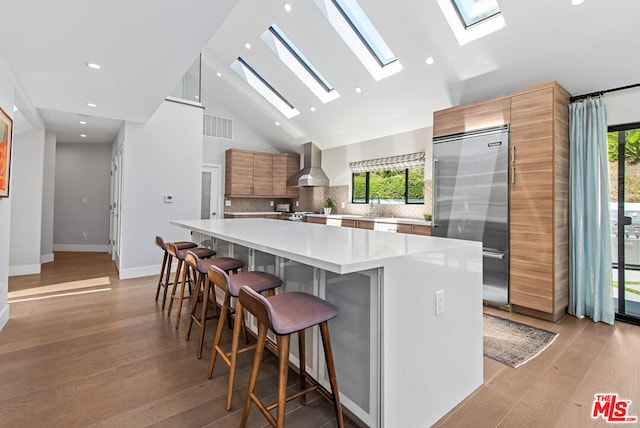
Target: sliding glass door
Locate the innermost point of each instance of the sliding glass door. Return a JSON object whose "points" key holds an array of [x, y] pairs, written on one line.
{"points": [[624, 181]]}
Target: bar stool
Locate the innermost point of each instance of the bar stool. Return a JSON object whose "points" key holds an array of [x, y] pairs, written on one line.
{"points": [[201, 252], [201, 268], [163, 282], [285, 314], [257, 282]]}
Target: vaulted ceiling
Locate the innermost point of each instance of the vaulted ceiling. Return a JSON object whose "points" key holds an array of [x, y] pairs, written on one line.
{"points": [[146, 46]]}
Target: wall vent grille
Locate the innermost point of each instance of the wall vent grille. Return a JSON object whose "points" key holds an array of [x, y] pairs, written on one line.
{"points": [[218, 127]]}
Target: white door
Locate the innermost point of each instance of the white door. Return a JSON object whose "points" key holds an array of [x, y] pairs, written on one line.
{"points": [[211, 205], [115, 209]]}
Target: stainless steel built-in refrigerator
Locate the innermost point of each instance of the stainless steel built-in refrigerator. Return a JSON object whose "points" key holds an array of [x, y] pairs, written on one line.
{"points": [[471, 200]]}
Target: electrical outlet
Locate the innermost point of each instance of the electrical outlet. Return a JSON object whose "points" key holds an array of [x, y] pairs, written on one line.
{"points": [[439, 302], [270, 203], [341, 204], [84, 236], [227, 203], [297, 203]]}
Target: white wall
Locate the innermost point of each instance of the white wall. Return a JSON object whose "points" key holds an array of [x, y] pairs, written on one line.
{"points": [[82, 185], [48, 193], [213, 149], [7, 84], [26, 203], [161, 157], [335, 161]]}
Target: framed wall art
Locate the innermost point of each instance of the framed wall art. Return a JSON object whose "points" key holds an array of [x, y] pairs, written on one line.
{"points": [[6, 128]]}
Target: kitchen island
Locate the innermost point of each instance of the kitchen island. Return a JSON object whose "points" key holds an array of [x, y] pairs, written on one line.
{"points": [[402, 359]]}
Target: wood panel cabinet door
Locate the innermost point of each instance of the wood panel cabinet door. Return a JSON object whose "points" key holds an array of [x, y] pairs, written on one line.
{"points": [[317, 220], [531, 211], [239, 173], [471, 117], [280, 174], [364, 224], [262, 174], [423, 230], [293, 166]]}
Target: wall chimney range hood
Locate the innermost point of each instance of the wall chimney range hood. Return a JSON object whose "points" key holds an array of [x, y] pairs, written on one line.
{"points": [[311, 174]]}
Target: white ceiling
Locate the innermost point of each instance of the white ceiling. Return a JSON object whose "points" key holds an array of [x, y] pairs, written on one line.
{"points": [[145, 46]]}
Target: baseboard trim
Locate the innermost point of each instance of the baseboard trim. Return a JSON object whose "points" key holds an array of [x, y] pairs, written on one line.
{"points": [[138, 272], [4, 316], [46, 258], [81, 248], [24, 270]]}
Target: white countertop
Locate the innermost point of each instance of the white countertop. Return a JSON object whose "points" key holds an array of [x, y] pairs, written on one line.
{"points": [[337, 249], [253, 213]]}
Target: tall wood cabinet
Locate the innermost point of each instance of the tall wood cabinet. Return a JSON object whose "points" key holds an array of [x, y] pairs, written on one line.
{"points": [[538, 189], [257, 174], [539, 203]]}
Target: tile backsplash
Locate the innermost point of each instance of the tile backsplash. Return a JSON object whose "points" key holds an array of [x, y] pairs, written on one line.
{"points": [[312, 199]]}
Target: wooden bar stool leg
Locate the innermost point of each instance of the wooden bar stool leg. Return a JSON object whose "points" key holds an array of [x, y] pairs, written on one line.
{"points": [[185, 275], [194, 305], [166, 280], [303, 364], [283, 372], [164, 264], [175, 284], [331, 369], [216, 340], [262, 339], [235, 344], [203, 317]]}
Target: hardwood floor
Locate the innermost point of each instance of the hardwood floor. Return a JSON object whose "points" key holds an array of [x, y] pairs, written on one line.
{"points": [[110, 357]]}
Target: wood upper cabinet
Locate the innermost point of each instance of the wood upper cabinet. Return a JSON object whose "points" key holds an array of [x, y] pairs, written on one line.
{"points": [[238, 173], [285, 165], [538, 211], [256, 174], [470, 117]]}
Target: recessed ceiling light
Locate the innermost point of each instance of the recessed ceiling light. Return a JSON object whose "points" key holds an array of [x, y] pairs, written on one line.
{"points": [[577, 2], [82, 122], [358, 89], [287, 7], [247, 45], [15, 108], [83, 135], [312, 108], [218, 74], [277, 123], [93, 65], [92, 105], [429, 60], [197, 97]]}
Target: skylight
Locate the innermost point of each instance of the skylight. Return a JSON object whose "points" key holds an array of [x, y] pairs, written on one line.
{"points": [[474, 11], [358, 32], [472, 19], [258, 83], [293, 58]]}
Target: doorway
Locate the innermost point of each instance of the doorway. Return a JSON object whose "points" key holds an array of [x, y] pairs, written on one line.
{"points": [[211, 202], [624, 197]]}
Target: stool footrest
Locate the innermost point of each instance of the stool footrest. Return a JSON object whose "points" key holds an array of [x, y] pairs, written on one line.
{"points": [[292, 397]]}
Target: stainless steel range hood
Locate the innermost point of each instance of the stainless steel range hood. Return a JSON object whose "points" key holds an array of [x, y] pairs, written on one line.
{"points": [[311, 174]]}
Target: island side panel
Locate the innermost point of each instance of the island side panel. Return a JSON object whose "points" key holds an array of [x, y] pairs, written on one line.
{"points": [[431, 363]]}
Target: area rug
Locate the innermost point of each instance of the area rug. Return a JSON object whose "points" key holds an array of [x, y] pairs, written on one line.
{"points": [[513, 343]]}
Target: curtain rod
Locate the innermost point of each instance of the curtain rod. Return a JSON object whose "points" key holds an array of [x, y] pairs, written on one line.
{"points": [[594, 94]]}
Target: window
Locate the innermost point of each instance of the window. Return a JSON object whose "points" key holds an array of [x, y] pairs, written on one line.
{"points": [[395, 186], [358, 32], [471, 12], [294, 59], [472, 19], [257, 82]]}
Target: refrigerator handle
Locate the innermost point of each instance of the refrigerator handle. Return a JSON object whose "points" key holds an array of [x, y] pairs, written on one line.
{"points": [[434, 208]]}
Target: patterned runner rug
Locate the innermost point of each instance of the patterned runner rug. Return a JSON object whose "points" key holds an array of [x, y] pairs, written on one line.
{"points": [[513, 343]]}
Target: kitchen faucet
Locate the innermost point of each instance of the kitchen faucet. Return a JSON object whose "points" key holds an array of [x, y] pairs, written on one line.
{"points": [[377, 195]]}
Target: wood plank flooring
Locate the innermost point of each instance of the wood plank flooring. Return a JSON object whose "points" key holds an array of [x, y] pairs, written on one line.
{"points": [[110, 357]]}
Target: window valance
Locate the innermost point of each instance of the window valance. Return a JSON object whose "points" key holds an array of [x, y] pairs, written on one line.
{"points": [[411, 160]]}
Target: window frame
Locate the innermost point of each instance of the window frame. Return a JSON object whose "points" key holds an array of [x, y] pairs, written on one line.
{"points": [[367, 188]]}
